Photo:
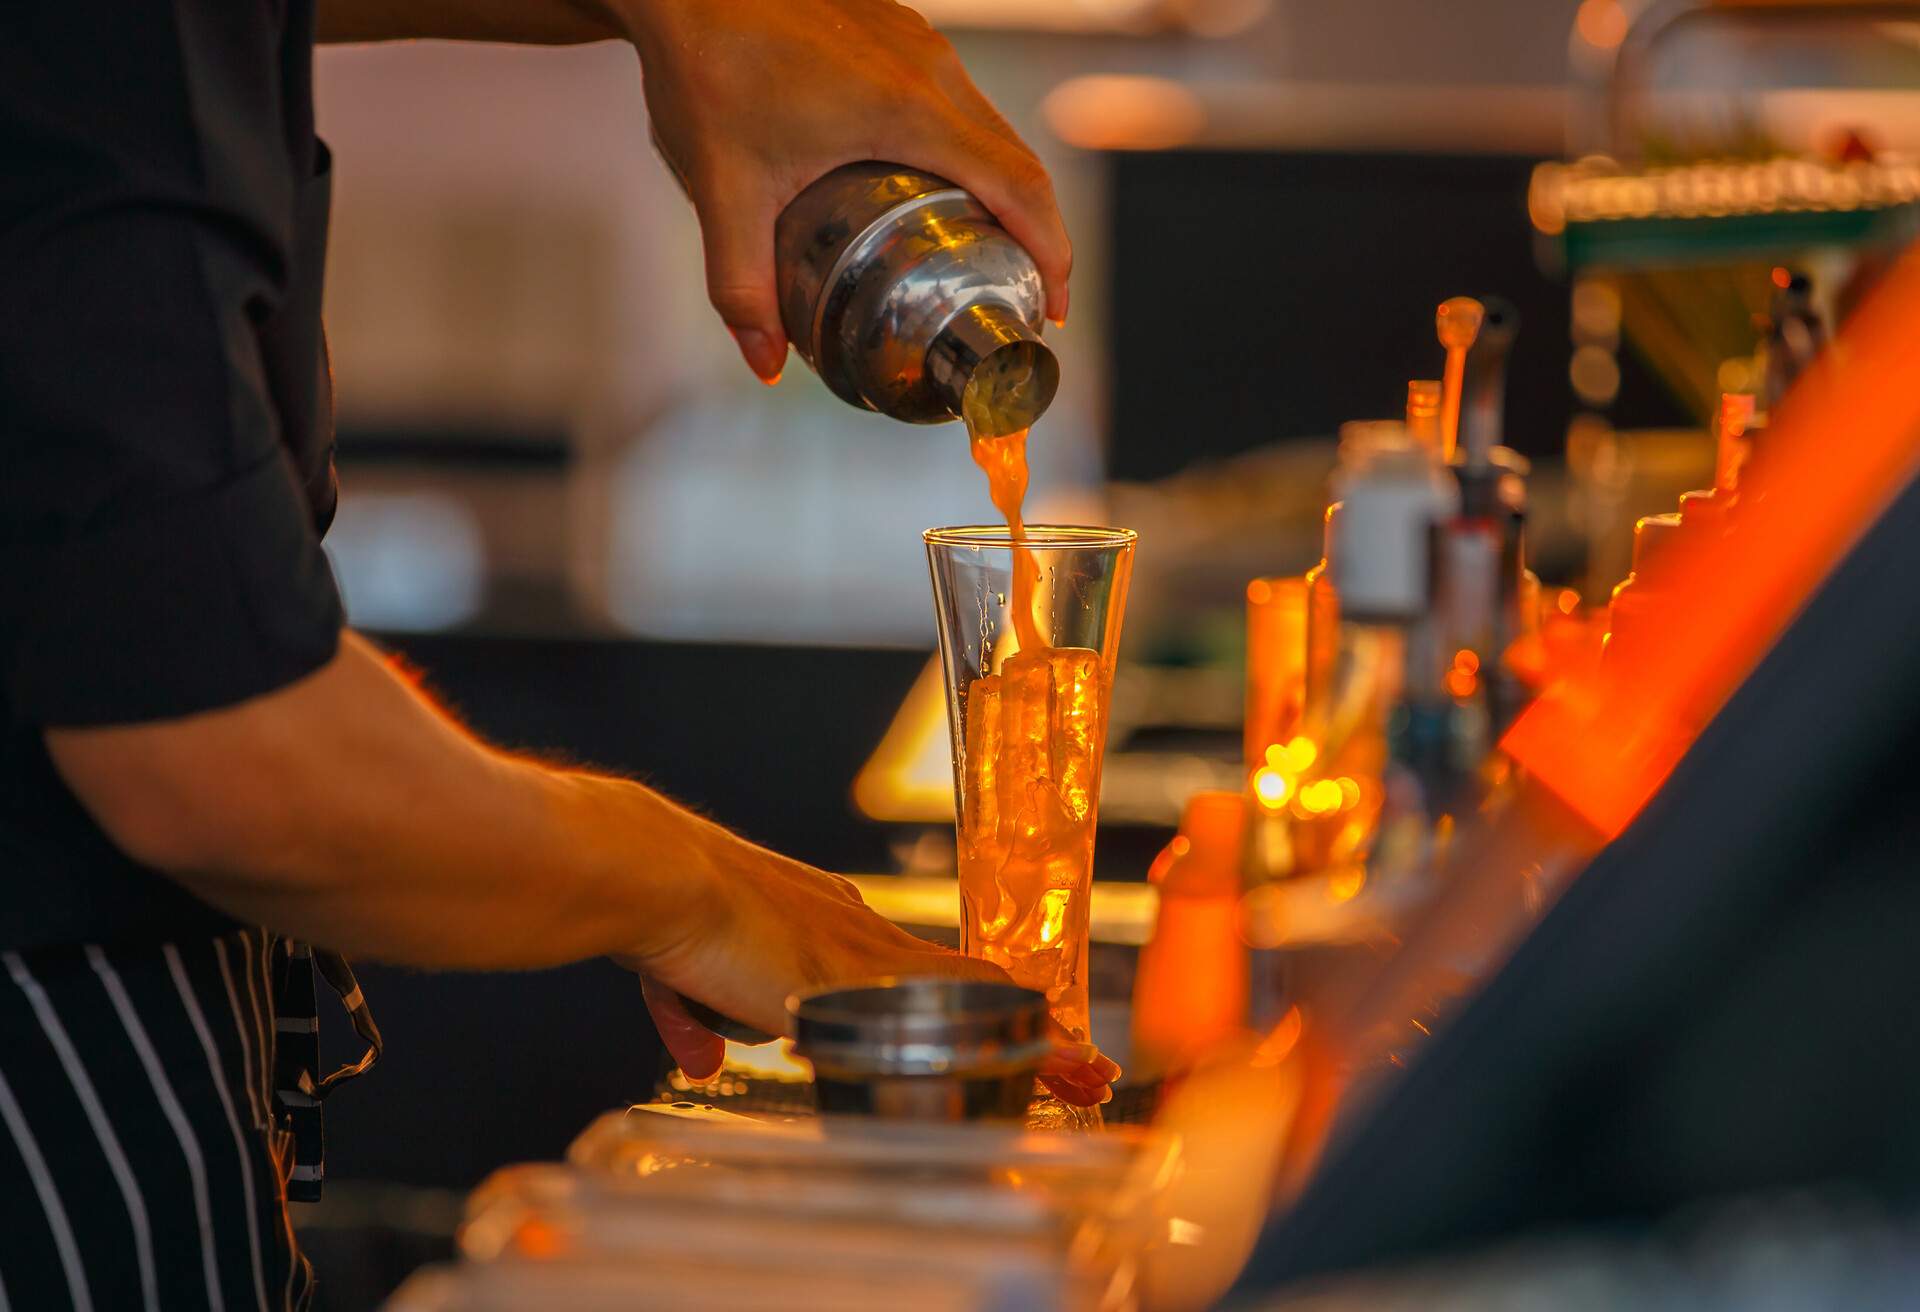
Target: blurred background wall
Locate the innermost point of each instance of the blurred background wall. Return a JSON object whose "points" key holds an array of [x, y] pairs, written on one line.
{"points": [[543, 424]]}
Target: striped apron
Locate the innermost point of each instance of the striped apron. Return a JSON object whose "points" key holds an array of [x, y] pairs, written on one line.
{"points": [[158, 1107]]}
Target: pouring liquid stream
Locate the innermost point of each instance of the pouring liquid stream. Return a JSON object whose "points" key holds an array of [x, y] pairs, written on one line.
{"points": [[1032, 748], [1004, 460]]}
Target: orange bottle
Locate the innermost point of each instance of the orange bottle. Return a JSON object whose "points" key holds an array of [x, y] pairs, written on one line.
{"points": [[1276, 664], [1190, 991]]}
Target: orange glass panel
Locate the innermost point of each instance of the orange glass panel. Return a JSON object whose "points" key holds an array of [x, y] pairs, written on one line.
{"points": [[1838, 448]]}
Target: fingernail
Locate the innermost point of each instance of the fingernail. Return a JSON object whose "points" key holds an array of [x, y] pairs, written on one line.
{"points": [[1085, 1052], [765, 359], [1106, 1096]]}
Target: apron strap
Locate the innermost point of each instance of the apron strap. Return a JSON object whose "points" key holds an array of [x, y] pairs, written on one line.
{"points": [[339, 976], [298, 1088]]}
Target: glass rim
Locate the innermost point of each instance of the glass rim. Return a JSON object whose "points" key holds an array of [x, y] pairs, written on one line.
{"points": [[1043, 537]]}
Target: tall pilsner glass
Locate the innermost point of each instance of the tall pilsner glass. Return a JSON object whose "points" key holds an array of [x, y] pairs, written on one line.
{"points": [[1029, 731]]}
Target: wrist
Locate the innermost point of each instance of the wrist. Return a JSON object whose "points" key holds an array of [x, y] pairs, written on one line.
{"points": [[667, 868]]}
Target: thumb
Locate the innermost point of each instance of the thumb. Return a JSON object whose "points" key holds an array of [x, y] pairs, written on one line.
{"points": [[697, 1049], [736, 229]]}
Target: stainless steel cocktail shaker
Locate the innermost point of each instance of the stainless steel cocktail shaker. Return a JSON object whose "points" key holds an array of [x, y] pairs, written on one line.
{"points": [[901, 291], [926, 1049]]}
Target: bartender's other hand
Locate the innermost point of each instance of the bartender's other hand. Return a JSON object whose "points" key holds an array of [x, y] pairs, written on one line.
{"points": [[783, 927], [754, 100]]}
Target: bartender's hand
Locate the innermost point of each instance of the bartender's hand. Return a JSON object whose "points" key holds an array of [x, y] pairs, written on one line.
{"points": [[784, 927], [753, 100]]}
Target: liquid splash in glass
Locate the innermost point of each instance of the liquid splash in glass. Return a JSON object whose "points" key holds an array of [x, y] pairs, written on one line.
{"points": [[1031, 780]]}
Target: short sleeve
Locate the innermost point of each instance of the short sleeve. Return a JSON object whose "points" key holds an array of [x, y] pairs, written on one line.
{"points": [[157, 553], [202, 601]]}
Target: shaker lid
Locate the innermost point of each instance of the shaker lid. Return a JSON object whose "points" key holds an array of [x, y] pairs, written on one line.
{"points": [[921, 1026]]}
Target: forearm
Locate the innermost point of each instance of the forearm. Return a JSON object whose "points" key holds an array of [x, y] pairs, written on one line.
{"points": [[349, 810], [524, 22], [512, 866]]}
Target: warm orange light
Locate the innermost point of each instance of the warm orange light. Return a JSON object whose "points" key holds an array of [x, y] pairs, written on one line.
{"points": [[766, 1061], [910, 774], [1568, 601], [1467, 661], [1781, 278], [1178, 848], [1461, 683], [1280, 1041], [1345, 884], [1276, 664], [1842, 443], [1111, 111], [1602, 24], [538, 1240], [1321, 797], [1271, 787], [1295, 756]]}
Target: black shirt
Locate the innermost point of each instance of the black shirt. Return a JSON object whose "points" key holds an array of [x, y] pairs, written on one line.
{"points": [[165, 429]]}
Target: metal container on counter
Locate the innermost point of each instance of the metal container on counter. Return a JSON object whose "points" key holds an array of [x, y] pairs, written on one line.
{"points": [[923, 1049]]}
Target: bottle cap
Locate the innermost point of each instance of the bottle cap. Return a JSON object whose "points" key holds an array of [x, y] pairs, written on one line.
{"points": [[1423, 411]]}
